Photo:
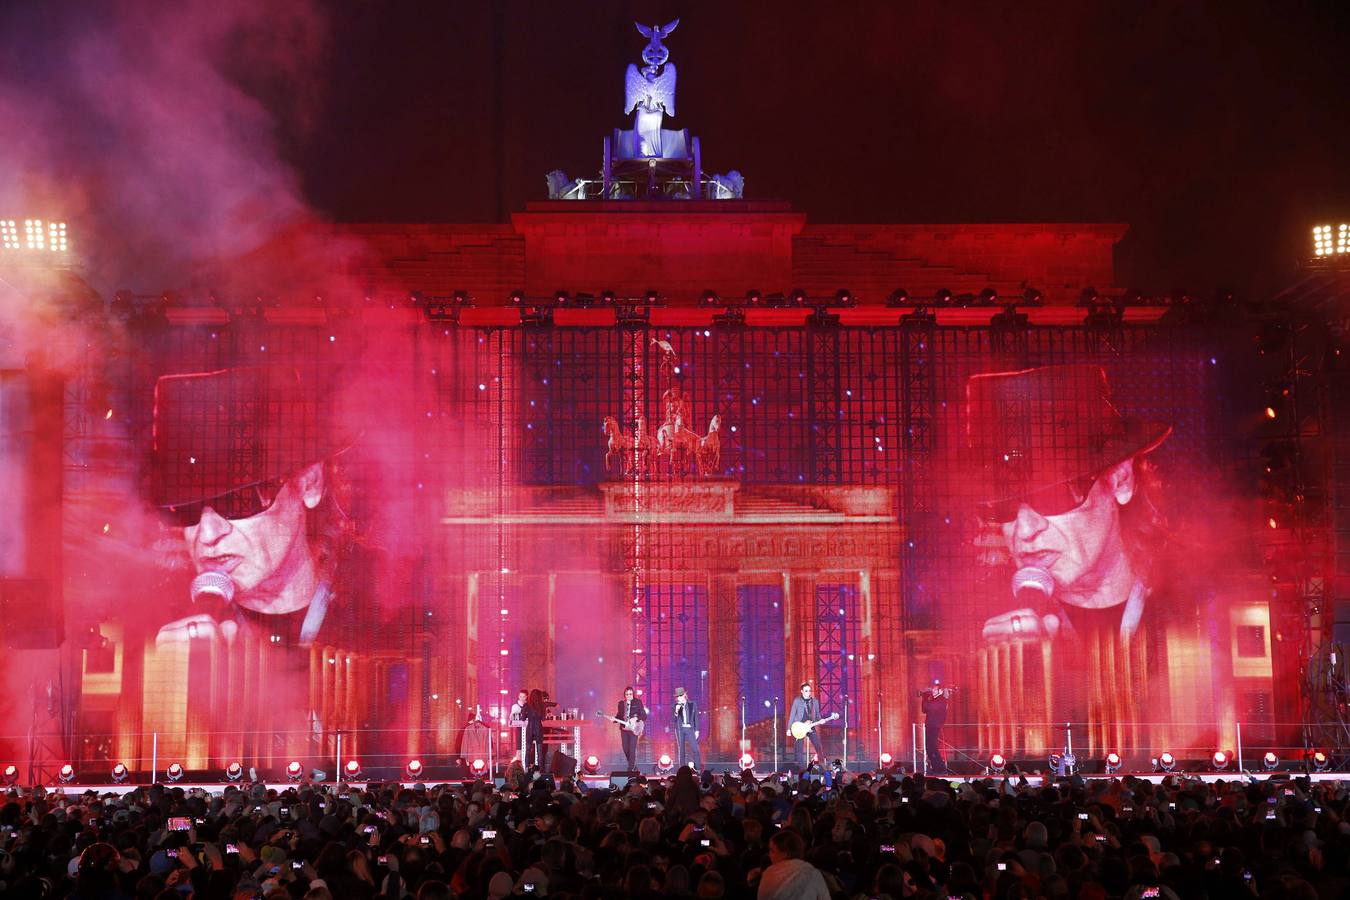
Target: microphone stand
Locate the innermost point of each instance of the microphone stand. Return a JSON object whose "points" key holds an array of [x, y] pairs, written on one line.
{"points": [[744, 748], [846, 731], [775, 734]]}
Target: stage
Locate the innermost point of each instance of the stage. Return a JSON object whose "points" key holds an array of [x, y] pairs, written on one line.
{"points": [[605, 781]]}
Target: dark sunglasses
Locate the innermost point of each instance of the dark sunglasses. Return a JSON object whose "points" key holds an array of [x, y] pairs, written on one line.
{"points": [[240, 503], [1051, 501]]}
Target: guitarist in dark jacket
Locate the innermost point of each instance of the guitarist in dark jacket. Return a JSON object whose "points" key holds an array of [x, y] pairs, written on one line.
{"points": [[806, 708], [630, 710]]}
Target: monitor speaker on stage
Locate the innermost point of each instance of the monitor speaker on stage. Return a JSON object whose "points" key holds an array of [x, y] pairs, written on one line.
{"points": [[563, 765], [620, 778]]}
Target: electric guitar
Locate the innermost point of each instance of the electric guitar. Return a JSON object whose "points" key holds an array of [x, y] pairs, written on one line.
{"points": [[802, 729], [635, 725]]}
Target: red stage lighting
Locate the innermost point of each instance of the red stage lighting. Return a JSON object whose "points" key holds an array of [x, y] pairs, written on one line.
{"points": [[887, 759], [1166, 761], [413, 769], [174, 772], [234, 771], [1220, 760], [478, 767], [119, 773], [591, 764], [664, 763], [1320, 761], [747, 761], [1271, 760], [11, 774], [66, 773], [352, 769], [1112, 762], [294, 771], [997, 763]]}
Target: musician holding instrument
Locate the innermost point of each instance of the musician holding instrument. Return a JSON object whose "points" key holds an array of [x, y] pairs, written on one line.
{"points": [[632, 714], [934, 700], [803, 718]]}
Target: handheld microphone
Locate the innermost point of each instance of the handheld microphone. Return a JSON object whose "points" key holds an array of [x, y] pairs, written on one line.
{"points": [[212, 586], [1032, 586]]}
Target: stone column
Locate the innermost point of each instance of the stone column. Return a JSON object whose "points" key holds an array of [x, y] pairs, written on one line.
{"points": [[724, 622]]}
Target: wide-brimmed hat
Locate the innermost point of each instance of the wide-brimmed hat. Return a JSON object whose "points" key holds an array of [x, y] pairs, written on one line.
{"points": [[216, 432], [1037, 428]]}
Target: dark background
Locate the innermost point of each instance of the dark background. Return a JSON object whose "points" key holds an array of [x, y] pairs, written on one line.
{"points": [[1217, 131]]}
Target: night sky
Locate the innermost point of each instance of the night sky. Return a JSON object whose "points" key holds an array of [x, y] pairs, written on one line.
{"points": [[1217, 131]]}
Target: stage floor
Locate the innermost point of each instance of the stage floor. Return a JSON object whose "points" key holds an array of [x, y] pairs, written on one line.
{"points": [[600, 781]]}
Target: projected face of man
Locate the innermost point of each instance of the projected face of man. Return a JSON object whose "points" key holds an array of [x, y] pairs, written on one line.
{"points": [[267, 555], [1082, 549]]}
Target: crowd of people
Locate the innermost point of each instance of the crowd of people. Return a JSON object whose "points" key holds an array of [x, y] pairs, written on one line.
{"points": [[859, 836]]}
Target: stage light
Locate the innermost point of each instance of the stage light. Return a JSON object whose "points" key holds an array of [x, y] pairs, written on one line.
{"points": [[295, 771], [1166, 762], [988, 297], [1032, 297], [9, 234], [798, 297], [1219, 760], [1112, 762], [609, 298], [591, 764], [413, 769], [747, 762], [234, 772], [583, 300], [897, 298], [351, 769], [11, 774], [844, 297], [1270, 761], [1327, 242], [560, 298], [754, 298], [66, 773], [943, 297], [709, 298], [997, 763], [119, 773], [1320, 761], [517, 298], [478, 767], [651, 297], [174, 772], [664, 763]]}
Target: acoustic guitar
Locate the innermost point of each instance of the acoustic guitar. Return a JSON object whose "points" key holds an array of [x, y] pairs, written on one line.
{"points": [[802, 729]]}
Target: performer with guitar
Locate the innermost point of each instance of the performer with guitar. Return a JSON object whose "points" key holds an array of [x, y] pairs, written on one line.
{"points": [[803, 718], [631, 717]]}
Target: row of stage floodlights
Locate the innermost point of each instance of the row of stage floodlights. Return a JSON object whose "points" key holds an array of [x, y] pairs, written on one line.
{"points": [[295, 771], [1166, 762], [998, 764]]}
